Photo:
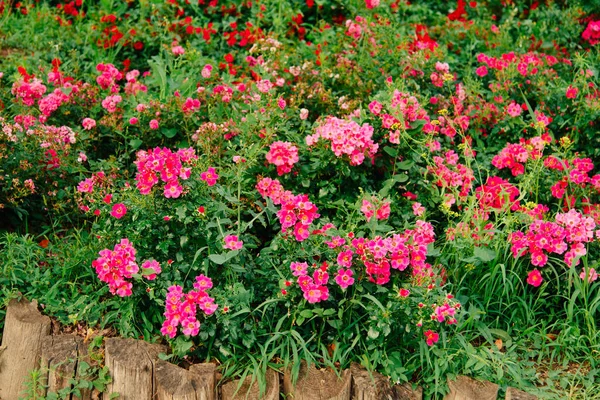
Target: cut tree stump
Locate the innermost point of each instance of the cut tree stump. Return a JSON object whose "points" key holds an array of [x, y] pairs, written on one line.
{"points": [[250, 390], [175, 383], [516, 394], [24, 330], [60, 358], [314, 384], [131, 364], [406, 392], [465, 388], [369, 385]]}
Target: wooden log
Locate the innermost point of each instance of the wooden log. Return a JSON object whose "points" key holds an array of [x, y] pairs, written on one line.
{"points": [[516, 394], [175, 383], [465, 388], [406, 392], [368, 385], [314, 384], [131, 364], [250, 390], [60, 359], [24, 330]]}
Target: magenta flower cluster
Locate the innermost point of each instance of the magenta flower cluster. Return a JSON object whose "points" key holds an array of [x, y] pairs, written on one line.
{"points": [[181, 308], [296, 211], [165, 165], [117, 265]]}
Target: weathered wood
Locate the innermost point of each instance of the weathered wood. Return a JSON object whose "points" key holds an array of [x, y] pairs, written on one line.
{"points": [[368, 385], [516, 394], [131, 364], [175, 383], [60, 358], [465, 388], [314, 384], [406, 392], [208, 373], [24, 330], [250, 390]]}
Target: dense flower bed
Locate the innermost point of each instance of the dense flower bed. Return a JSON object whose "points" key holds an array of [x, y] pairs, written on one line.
{"points": [[260, 182]]}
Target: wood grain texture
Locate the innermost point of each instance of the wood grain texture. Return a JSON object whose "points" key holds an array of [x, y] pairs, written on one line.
{"points": [[406, 392], [175, 383], [250, 390], [315, 384], [60, 359], [465, 388], [368, 385], [24, 331], [516, 394], [131, 364]]}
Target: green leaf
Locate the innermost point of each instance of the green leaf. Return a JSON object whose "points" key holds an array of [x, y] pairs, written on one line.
{"points": [[373, 334], [485, 254], [406, 164], [169, 132], [223, 258], [391, 151], [306, 313], [135, 143]]}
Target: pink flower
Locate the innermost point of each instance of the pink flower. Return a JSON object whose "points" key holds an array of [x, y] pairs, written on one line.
{"points": [[344, 259], [301, 232], [431, 337], [299, 269], [283, 155], [303, 113], [178, 50], [210, 176], [375, 107], [150, 269], [232, 242], [168, 329], [86, 186], [571, 92], [367, 209], [344, 278], [173, 189], [281, 103], [482, 71], [154, 124], [313, 294], [383, 212], [514, 110], [418, 209], [592, 275], [88, 123], [371, 3], [133, 121], [320, 277], [203, 282], [404, 292], [206, 71], [190, 326], [118, 210], [534, 278], [110, 103]]}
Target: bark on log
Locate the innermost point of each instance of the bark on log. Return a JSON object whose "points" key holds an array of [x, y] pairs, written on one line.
{"points": [[516, 394], [60, 359], [406, 392], [465, 388], [314, 384], [24, 330], [132, 367], [369, 385], [175, 383], [250, 390]]}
